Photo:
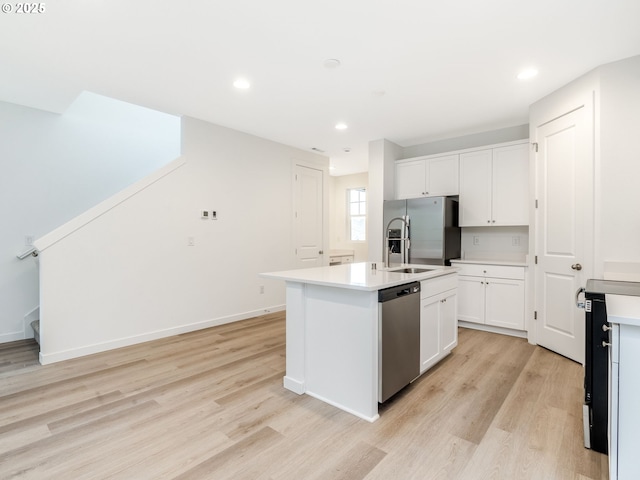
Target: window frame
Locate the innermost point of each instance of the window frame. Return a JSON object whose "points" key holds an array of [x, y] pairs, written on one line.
{"points": [[362, 202]]}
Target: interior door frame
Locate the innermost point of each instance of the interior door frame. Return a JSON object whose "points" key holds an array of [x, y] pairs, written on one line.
{"points": [[323, 166]]}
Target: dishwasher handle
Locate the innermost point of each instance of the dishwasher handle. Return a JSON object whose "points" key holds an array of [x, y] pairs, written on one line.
{"points": [[392, 293], [406, 291]]}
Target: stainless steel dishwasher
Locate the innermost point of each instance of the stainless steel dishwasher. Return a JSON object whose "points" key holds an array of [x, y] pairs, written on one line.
{"points": [[399, 340]]}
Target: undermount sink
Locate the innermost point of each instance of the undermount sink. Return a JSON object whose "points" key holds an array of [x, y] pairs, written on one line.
{"points": [[411, 269]]}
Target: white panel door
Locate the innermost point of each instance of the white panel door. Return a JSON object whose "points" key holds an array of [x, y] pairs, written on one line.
{"points": [[442, 176], [471, 299], [564, 165], [504, 303], [410, 179], [308, 216], [475, 189], [429, 331], [449, 321], [510, 185]]}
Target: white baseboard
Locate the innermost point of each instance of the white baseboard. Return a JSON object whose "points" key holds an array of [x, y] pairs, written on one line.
{"points": [[12, 337], [54, 357], [296, 386], [492, 329], [370, 419]]}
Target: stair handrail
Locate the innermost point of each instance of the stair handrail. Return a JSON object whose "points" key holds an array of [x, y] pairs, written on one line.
{"points": [[32, 252]]}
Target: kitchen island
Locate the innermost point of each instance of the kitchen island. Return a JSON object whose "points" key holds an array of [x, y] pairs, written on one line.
{"points": [[332, 329]]}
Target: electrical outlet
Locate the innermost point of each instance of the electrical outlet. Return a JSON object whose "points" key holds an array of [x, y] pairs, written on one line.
{"points": [[214, 215], [204, 214], [191, 241], [476, 240], [28, 240], [261, 289], [515, 241]]}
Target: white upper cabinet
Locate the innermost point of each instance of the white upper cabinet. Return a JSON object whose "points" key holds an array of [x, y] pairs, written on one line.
{"points": [[427, 177], [494, 186]]}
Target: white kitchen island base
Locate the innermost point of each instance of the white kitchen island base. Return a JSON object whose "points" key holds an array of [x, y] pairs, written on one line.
{"points": [[333, 325], [332, 346]]}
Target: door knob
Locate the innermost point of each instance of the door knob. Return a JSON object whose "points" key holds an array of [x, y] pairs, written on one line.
{"points": [[576, 266], [321, 252]]}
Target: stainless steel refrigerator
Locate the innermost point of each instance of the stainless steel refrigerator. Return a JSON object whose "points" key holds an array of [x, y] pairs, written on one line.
{"points": [[421, 230]]}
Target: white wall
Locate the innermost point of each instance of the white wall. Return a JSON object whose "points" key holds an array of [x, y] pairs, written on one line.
{"points": [[619, 194], [130, 275], [54, 167], [382, 157], [467, 141], [339, 228], [504, 243]]}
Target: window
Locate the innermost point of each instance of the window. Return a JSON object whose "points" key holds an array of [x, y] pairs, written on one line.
{"points": [[357, 217]]}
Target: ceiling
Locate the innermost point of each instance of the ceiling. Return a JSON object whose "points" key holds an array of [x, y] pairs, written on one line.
{"points": [[411, 71]]}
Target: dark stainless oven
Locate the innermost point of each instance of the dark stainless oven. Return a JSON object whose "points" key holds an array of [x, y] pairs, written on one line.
{"points": [[596, 364]]}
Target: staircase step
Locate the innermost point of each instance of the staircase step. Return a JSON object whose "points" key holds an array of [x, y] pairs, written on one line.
{"points": [[36, 330]]}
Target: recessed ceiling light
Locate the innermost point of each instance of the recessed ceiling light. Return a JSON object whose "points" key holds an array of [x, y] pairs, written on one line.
{"points": [[378, 93], [316, 149], [346, 150], [527, 74], [341, 126], [242, 83], [332, 63]]}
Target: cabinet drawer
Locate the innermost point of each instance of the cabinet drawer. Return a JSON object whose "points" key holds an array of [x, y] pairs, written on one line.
{"points": [[496, 271], [339, 260], [434, 286]]}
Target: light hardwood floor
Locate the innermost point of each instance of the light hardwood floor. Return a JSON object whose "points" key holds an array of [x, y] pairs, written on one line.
{"points": [[210, 405]]}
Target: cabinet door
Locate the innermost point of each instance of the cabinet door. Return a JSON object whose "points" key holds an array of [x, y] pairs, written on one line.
{"points": [[628, 391], [429, 331], [471, 299], [442, 176], [475, 189], [504, 303], [448, 321], [510, 185], [410, 179]]}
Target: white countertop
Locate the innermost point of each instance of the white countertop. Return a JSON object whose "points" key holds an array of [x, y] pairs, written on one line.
{"points": [[359, 276], [623, 309]]}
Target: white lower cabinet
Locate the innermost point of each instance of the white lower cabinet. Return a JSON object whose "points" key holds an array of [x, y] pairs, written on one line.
{"points": [[438, 320], [491, 295], [624, 416]]}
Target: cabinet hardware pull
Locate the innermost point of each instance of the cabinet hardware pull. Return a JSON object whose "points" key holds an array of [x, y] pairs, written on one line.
{"points": [[605, 344], [605, 328]]}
